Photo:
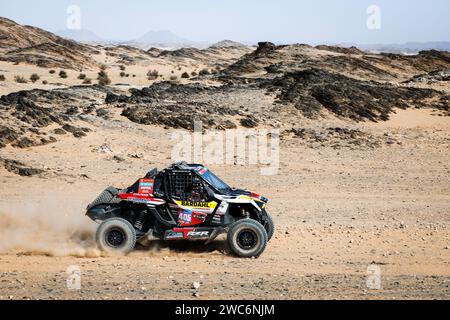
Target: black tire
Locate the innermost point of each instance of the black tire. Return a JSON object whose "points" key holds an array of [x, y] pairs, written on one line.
{"points": [[270, 227], [247, 238], [116, 235]]}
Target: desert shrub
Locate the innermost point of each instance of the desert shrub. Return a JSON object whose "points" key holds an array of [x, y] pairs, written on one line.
{"points": [[81, 76], [63, 74], [213, 71], [44, 82], [34, 77], [173, 78], [134, 76], [2, 77], [193, 74], [179, 68], [127, 75], [103, 78], [123, 74], [172, 71], [122, 67], [152, 74], [103, 67], [20, 79], [204, 72], [51, 71], [185, 75], [87, 81]]}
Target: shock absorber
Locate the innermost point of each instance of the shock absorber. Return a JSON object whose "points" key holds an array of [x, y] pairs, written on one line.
{"points": [[139, 222]]}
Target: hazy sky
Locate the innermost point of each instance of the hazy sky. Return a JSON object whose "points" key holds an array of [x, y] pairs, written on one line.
{"points": [[326, 21]]}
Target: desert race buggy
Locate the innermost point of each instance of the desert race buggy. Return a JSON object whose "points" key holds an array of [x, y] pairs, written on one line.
{"points": [[181, 202]]}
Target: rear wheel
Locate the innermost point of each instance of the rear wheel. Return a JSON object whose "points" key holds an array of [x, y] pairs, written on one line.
{"points": [[116, 235], [247, 238]]}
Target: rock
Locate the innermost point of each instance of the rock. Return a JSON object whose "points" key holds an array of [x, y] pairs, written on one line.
{"points": [[19, 168], [77, 132], [136, 155], [314, 90], [118, 158], [102, 112], [249, 122], [59, 131], [104, 148], [196, 285]]}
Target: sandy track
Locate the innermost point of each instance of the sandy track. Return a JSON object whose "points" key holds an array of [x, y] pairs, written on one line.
{"points": [[337, 212]]}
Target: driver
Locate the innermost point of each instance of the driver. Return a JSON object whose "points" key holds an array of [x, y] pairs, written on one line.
{"points": [[198, 190]]}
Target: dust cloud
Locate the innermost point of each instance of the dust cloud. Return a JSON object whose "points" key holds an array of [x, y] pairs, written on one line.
{"points": [[52, 226]]}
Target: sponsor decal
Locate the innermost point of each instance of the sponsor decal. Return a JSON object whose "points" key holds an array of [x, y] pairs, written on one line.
{"points": [[146, 186], [139, 200], [174, 235], [197, 204], [200, 216], [198, 234]]}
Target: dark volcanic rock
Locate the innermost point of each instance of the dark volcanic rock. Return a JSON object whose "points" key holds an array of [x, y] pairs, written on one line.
{"points": [[59, 131], [249, 122], [178, 106], [19, 168], [77, 132], [351, 50], [430, 77], [312, 91], [7, 135], [34, 110]]}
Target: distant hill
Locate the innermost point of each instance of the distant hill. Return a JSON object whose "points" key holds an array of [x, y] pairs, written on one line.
{"points": [[79, 35], [407, 48], [227, 44], [21, 43], [162, 37]]}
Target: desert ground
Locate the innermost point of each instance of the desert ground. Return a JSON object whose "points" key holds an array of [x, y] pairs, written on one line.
{"points": [[363, 179]]}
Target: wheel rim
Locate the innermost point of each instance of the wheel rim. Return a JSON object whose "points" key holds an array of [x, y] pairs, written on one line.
{"points": [[115, 238], [247, 239]]}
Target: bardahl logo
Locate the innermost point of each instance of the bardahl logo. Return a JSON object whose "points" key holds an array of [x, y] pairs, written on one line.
{"points": [[195, 204]]}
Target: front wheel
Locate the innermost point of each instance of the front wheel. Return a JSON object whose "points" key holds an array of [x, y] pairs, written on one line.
{"points": [[247, 238], [116, 235], [269, 226]]}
